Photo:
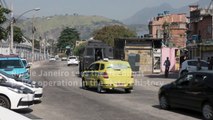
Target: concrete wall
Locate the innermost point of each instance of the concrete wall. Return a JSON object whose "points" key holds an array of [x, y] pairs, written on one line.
{"points": [[169, 52], [24, 51], [146, 58]]}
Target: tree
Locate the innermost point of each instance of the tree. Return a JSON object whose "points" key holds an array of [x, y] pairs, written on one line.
{"points": [[17, 34], [109, 33], [37, 44], [68, 37], [79, 49], [3, 19]]}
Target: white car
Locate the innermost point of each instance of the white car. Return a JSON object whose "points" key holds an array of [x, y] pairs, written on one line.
{"points": [[73, 60], [191, 66], [11, 115], [64, 59], [32, 85], [13, 96], [52, 58]]}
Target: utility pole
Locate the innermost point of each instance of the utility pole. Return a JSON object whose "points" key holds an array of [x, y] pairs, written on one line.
{"points": [[33, 41], [45, 48], [13, 19], [40, 48], [11, 30]]}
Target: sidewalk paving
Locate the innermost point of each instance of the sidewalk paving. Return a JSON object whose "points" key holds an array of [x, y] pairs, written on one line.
{"points": [[153, 81]]}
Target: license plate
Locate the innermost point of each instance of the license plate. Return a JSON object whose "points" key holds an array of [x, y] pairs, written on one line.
{"points": [[120, 84]]}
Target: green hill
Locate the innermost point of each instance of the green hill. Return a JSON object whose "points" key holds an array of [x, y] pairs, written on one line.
{"points": [[50, 27]]}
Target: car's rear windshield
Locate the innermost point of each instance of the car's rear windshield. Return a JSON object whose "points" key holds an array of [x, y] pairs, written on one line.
{"points": [[72, 58], [119, 66], [11, 64]]}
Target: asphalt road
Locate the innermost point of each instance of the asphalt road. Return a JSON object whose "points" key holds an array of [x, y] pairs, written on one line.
{"points": [[65, 100]]}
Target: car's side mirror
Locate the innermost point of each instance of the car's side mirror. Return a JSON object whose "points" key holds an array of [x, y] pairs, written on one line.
{"points": [[28, 66]]}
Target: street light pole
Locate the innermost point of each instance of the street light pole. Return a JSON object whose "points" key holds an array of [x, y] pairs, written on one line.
{"points": [[33, 41], [45, 48], [12, 25], [11, 36], [11, 30]]}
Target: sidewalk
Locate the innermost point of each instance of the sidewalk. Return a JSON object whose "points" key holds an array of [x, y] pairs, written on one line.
{"points": [[154, 81]]}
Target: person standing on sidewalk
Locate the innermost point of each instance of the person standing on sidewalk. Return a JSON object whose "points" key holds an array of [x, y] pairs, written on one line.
{"points": [[167, 65]]}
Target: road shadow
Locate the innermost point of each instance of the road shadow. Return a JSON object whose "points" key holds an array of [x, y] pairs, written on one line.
{"points": [[37, 102], [185, 112], [72, 65], [115, 91], [27, 112], [171, 76], [24, 111]]}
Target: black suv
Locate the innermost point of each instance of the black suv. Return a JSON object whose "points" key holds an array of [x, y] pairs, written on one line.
{"points": [[192, 91]]}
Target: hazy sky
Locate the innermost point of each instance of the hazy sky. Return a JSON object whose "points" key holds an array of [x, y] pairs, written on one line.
{"points": [[114, 9]]}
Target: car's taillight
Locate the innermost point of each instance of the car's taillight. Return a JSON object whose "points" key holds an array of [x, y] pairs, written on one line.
{"points": [[105, 75]]}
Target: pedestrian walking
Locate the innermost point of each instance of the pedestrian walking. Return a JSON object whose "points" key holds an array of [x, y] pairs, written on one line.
{"points": [[167, 65]]}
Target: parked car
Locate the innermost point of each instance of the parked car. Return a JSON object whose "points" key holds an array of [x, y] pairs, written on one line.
{"points": [[108, 74], [64, 59], [52, 58], [11, 115], [73, 60], [192, 91], [191, 65], [32, 85], [13, 65], [13, 96]]}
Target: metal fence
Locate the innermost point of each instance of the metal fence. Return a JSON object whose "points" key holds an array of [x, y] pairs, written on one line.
{"points": [[24, 51]]}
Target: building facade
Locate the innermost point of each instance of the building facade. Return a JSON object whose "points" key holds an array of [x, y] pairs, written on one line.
{"points": [[143, 54], [200, 42], [171, 28], [200, 26]]}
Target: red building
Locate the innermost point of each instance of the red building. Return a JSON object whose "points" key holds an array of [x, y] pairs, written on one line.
{"points": [[171, 28], [200, 24], [200, 43]]}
